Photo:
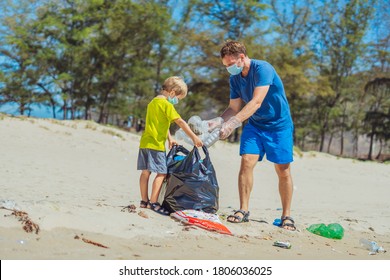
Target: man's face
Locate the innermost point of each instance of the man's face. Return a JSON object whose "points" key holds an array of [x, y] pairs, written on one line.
{"points": [[234, 64], [229, 60]]}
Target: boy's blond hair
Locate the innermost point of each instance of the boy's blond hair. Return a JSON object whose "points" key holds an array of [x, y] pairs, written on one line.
{"points": [[176, 84]]}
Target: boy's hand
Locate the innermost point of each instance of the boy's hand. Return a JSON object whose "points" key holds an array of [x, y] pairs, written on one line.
{"points": [[197, 141], [172, 142]]}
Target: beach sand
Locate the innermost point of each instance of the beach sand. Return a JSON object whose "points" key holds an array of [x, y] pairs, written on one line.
{"points": [[75, 178]]}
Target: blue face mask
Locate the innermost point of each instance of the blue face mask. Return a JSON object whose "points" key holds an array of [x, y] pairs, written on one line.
{"points": [[173, 100], [234, 69]]}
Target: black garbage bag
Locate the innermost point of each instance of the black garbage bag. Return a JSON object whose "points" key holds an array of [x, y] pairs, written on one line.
{"points": [[191, 182]]}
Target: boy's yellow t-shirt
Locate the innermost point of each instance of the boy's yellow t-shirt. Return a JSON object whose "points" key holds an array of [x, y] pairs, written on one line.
{"points": [[159, 116]]}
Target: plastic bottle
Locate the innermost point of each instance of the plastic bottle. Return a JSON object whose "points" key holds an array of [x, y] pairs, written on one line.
{"points": [[200, 128], [211, 138], [334, 231], [372, 246], [180, 135], [197, 125], [208, 139]]}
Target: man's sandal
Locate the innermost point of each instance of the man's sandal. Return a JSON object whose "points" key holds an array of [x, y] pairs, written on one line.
{"points": [[290, 225], [238, 219]]}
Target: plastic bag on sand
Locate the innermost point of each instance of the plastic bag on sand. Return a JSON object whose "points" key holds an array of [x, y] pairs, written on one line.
{"points": [[9, 204], [333, 231], [191, 182], [201, 219]]}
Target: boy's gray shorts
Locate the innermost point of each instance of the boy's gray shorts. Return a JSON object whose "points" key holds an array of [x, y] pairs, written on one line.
{"points": [[152, 160]]}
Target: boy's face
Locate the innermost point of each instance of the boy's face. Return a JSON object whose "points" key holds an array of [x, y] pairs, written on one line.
{"points": [[180, 96]]}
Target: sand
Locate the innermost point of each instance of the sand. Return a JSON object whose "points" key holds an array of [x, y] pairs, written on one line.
{"points": [[75, 178]]}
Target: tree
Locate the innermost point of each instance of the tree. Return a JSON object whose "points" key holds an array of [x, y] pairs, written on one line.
{"points": [[101, 52], [377, 118], [19, 75], [210, 24], [340, 29], [291, 56]]}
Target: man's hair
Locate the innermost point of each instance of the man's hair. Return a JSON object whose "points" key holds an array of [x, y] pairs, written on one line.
{"points": [[232, 48], [176, 84]]}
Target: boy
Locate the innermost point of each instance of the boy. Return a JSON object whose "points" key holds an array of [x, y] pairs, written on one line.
{"points": [[151, 157]]}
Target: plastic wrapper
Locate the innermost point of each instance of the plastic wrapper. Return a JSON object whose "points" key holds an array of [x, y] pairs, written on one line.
{"points": [[334, 231]]}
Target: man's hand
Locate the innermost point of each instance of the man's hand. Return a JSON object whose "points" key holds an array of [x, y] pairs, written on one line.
{"points": [[228, 127]]}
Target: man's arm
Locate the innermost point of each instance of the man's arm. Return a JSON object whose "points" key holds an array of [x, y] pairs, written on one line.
{"points": [[252, 106], [236, 116], [234, 107]]}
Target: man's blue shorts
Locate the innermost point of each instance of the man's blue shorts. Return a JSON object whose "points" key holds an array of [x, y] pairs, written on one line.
{"points": [[277, 145]]}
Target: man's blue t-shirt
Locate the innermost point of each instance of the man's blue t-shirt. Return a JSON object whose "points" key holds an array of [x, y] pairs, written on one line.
{"points": [[274, 112]]}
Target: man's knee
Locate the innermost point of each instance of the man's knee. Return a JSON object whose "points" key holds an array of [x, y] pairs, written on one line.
{"points": [[283, 170], [249, 161]]}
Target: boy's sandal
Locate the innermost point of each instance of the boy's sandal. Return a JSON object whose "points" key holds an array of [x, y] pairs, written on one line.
{"points": [[156, 207], [143, 204], [290, 225], [238, 219]]}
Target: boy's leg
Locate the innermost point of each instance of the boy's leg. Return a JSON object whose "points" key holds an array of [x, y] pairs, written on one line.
{"points": [[143, 184], [156, 188], [154, 205]]}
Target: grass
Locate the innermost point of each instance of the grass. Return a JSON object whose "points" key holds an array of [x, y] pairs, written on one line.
{"points": [[56, 122], [298, 152], [90, 125], [44, 127], [113, 133]]}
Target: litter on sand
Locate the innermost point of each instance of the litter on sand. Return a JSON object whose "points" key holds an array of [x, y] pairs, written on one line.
{"points": [[282, 244], [201, 219]]}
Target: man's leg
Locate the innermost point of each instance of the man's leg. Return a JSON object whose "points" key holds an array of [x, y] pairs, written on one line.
{"points": [[285, 189], [245, 182]]}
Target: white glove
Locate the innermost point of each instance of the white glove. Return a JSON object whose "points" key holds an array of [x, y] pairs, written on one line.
{"points": [[214, 123], [228, 127]]}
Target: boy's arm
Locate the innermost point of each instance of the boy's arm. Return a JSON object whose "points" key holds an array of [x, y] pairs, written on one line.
{"points": [[183, 125], [171, 140]]}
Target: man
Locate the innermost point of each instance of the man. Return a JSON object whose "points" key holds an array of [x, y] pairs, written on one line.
{"points": [[269, 130]]}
